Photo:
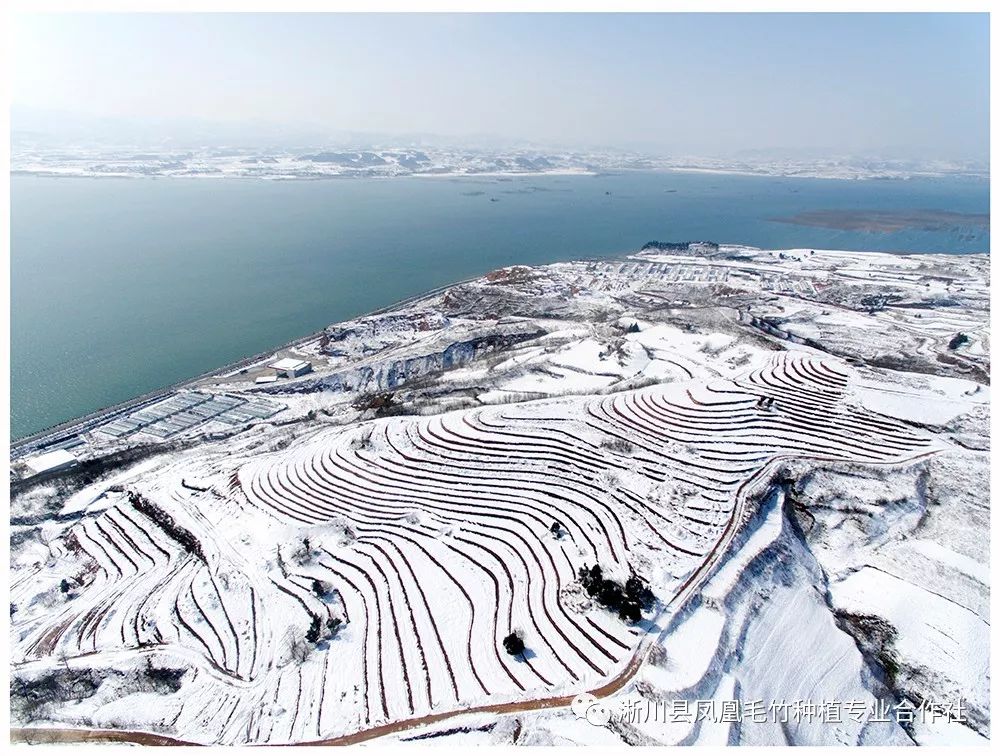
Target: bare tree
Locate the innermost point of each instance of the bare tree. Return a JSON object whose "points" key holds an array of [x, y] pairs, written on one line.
{"points": [[297, 647]]}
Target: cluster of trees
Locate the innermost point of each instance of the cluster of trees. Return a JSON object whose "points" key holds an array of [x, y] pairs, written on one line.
{"points": [[182, 535], [628, 600], [163, 680], [315, 632], [677, 246], [958, 340], [874, 303], [321, 589], [382, 402], [618, 445], [513, 644], [29, 695]]}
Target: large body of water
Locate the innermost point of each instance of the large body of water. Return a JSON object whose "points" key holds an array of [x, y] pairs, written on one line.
{"points": [[124, 286]]}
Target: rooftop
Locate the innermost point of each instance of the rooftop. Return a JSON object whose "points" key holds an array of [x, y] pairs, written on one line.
{"points": [[53, 460], [288, 363]]}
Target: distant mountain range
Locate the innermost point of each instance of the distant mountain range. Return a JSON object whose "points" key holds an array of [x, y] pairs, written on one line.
{"points": [[34, 154]]}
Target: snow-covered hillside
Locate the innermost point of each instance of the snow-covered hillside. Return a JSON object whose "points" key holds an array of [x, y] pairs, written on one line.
{"points": [[783, 447], [36, 156]]}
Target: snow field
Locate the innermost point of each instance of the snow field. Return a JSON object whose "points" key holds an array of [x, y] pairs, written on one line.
{"points": [[430, 539], [450, 519]]}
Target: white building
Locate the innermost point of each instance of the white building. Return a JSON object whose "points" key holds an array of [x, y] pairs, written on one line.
{"points": [[53, 461], [290, 367]]}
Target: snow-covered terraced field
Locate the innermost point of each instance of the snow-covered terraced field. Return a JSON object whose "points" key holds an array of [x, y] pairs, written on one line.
{"points": [[429, 540], [770, 439]]}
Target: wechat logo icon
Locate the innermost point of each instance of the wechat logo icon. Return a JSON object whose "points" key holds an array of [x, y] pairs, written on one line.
{"points": [[594, 710]]}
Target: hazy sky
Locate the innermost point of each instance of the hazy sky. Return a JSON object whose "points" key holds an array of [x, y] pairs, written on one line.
{"points": [[893, 85]]}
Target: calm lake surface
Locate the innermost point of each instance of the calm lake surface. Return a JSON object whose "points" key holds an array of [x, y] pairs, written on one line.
{"points": [[122, 286]]}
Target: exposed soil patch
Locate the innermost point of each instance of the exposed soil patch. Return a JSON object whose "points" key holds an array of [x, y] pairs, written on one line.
{"points": [[888, 221]]}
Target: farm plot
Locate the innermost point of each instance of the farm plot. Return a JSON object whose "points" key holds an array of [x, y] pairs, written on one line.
{"points": [[370, 575], [452, 521]]}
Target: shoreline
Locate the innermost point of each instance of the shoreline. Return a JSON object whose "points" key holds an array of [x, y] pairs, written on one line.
{"points": [[82, 423], [24, 445], [805, 173], [681, 347]]}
